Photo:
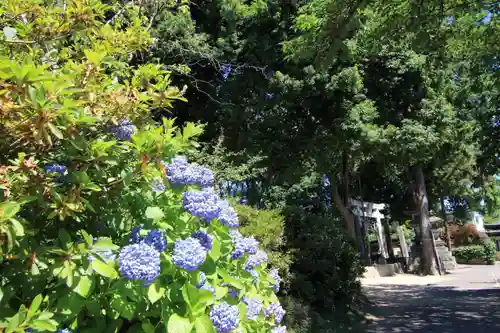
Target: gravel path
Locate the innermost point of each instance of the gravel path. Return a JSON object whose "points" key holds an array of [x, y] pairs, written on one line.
{"points": [[466, 301]]}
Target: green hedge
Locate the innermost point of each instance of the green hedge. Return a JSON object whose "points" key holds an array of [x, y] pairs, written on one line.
{"points": [[485, 251]]}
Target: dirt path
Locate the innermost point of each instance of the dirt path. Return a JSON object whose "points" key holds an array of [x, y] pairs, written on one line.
{"points": [[467, 301]]}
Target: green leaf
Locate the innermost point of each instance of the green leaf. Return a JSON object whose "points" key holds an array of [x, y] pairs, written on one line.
{"points": [[154, 213], [13, 323], [178, 324], [216, 250], [64, 237], [8, 210], [34, 306], [155, 292], [104, 245], [47, 325], [203, 325], [147, 327], [124, 308], [17, 227], [83, 286], [104, 269], [57, 133]]}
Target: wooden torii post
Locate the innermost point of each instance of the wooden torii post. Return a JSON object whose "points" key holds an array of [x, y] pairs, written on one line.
{"points": [[372, 210]]}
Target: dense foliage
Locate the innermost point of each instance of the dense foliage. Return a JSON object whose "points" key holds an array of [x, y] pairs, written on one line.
{"points": [[305, 104], [104, 228], [486, 251]]}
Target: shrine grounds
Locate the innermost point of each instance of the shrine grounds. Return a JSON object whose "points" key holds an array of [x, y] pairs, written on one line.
{"points": [[465, 301]]}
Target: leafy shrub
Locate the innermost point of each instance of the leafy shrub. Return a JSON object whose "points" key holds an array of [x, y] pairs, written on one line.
{"points": [[267, 225], [325, 273], [485, 251], [102, 228]]}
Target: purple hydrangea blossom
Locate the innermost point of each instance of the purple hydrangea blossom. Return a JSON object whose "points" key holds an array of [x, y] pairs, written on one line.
{"points": [[189, 254], [254, 274], [156, 239], [274, 274], [227, 215], [203, 279], [202, 204], [203, 284], [124, 130], [225, 70], [255, 260], [135, 236], [158, 185], [180, 172], [55, 168], [233, 293], [243, 244], [276, 310], [205, 239], [254, 306], [139, 262], [66, 330], [279, 329], [224, 317]]}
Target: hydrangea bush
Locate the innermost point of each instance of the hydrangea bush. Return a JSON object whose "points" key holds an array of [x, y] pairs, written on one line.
{"points": [[104, 226]]}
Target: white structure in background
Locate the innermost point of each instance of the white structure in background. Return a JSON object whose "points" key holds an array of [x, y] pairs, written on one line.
{"points": [[372, 210], [478, 220]]}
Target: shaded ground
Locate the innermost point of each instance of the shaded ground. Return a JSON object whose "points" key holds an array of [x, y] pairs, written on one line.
{"points": [[467, 301]]}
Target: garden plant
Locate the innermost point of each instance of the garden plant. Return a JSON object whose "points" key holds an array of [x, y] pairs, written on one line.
{"points": [[104, 226]]}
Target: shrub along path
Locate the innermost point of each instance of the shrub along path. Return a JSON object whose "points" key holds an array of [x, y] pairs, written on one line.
{"points": [[467, 301]]}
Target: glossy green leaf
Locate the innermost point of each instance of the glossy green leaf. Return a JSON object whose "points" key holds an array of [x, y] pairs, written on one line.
{"points": [[104, 269], [203, 324], [178, 324], [154, 213], [155, 292]]}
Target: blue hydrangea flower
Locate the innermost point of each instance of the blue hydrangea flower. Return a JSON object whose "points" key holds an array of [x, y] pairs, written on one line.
{"points": [[203, 284], [124, 130], [204, 176], [135, 236], [276, 310], [203, 279], [156, 239], [225, 70], [139, 262], [274, 274], [180, 172], [28, 330], [66, 330], [189, 254], [209, 287], [255, 275], [224, 317], [55, 168], [205, 239], [233, 293], [244, 201], [158, 185], [279, 329], [255, 260], [243, 244], [228, 215], [254, 306], [202, 204]]}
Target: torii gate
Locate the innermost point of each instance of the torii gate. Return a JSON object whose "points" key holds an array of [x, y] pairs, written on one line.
{"points": [[362, 209]]}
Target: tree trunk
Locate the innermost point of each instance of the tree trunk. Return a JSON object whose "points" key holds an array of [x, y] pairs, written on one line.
{"points": [[427, 255], [344, 211], [446, 230]]}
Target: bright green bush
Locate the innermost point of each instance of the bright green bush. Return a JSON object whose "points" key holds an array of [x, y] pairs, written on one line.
{"points": [[93, 232], [267, 225], [485, 251]]}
